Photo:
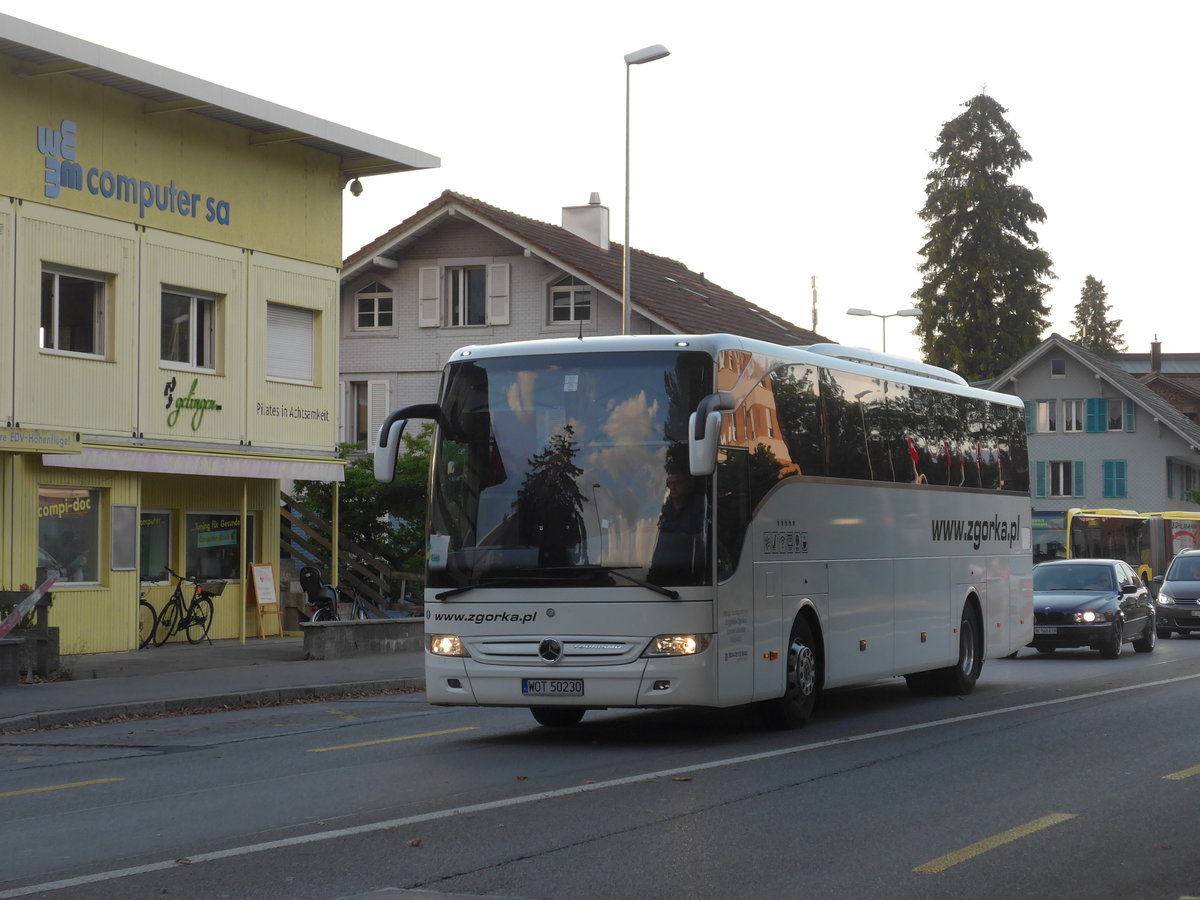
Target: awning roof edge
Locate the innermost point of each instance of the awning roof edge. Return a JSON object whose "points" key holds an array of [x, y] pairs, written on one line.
{"points": [[173, 463]]}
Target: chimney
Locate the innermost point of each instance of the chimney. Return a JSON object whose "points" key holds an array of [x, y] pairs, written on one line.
{"points": [[1156, 355], [588, 222]]}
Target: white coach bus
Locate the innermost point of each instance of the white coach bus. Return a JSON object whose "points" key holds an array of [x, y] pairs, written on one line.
{"points": [[710, 521]]}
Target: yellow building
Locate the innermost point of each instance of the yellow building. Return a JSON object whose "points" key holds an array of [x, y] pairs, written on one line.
{"points": [[169, 261]]}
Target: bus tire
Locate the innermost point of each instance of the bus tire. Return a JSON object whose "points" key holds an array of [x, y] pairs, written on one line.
{"points": [[958, 679], [802, 682], [557, 716]]}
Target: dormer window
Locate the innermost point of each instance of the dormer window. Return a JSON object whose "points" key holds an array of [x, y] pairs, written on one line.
{"points": [[373, 307], [1058, 368], [570, 301]]}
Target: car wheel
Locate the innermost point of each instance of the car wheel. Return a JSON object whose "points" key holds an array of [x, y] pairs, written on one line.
{"points": [[1149, 639], [557, 716], [1112, 650]]}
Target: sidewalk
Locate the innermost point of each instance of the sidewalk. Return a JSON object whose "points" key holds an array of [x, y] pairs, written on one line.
{"points": [[183, 676]]}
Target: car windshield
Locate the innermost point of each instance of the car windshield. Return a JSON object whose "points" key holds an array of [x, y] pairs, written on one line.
{"points": [[1073, 578], [570, 469], [1185, 568]]}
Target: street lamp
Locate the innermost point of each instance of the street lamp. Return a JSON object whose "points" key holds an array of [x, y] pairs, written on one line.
{"points": [[866, 312], [636, 58]]}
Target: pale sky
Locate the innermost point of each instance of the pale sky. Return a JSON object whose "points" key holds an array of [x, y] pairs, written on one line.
{"points": [[775, 143]]}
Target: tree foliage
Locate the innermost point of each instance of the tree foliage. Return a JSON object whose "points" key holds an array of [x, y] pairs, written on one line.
{"points": [[984, 275], [1093, 328], [387, 520]]}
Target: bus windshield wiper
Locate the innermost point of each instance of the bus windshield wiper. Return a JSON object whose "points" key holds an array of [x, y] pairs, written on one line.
{"points": [[583, 571], [489, 582]]}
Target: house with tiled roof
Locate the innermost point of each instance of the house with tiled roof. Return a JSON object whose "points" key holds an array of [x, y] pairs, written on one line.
{"points": [[1173, 376], [461, 272], [1100, 436]]}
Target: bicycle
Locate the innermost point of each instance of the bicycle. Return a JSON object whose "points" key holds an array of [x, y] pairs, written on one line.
{"points": [[323, 598], [194, 618], [147, 616]]}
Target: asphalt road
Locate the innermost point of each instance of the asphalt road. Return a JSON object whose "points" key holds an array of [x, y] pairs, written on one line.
{"points": [[1061, 776]]}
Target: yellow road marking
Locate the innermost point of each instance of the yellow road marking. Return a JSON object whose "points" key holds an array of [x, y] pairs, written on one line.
{"points": [[60, 787], [407, 737], [1186, 773], [349, 717], [942, 863]]}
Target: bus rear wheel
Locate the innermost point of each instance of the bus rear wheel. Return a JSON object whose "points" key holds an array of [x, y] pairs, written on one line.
{"points": [[960, 678], [557, 716], [800, 690]]}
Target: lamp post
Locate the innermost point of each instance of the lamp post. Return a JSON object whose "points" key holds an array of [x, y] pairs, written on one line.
{"points": [[636, 58], [866, 312]]}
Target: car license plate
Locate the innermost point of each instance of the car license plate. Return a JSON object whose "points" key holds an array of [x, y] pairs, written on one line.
{"points": [[1196, 612], [1044, 629], [549, 687]]}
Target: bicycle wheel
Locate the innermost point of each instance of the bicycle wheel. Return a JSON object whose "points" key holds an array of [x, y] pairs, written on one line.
{"points": [[199, 620], [168, 622], [323, 614], [146, 619]]}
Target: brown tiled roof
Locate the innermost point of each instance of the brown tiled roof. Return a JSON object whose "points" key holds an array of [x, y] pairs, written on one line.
{"points": [[664, 290]]}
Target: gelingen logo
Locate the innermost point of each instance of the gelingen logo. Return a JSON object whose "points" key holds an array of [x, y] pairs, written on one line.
{"points": [[60, 147]]}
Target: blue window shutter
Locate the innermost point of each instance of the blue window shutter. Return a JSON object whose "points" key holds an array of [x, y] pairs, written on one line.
{"points": [[1039, 478], [1130, 419], [1029, 423], [1077, 474], [1096, 416], [1114, 478]]}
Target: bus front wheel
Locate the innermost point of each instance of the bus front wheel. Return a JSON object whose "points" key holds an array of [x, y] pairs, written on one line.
{"points": [[799, 698]]}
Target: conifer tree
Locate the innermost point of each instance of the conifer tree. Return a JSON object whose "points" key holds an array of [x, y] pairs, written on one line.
{"points": [[984, 275], [1093, 328]]}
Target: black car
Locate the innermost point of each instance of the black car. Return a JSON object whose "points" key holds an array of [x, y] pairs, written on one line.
{"points": [[1179, 595], [1097, 603]]}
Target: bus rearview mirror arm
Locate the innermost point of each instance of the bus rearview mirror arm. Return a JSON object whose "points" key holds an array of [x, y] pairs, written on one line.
{"points": [[704, 432], [387, 447]]}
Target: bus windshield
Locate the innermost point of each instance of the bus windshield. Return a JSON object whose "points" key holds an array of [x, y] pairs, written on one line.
{"points": [[570, 469]]}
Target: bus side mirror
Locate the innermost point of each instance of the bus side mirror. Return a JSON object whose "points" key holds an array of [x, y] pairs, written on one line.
{"points": [[387, 449], [704, 432]]}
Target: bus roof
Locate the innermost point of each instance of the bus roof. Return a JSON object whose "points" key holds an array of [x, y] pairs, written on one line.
{"points": [[834, 356]]}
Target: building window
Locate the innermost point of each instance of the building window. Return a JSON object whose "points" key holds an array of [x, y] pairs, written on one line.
{"points": [[189, 330], [1109, 414], [155, 544], [570, 301], [1047, 416], [72, 312], [373, 307], [214, 544], [1114, 478], [69, 534], [1062, 479], [466, 295], [290, 339], [1073, 415], [1058, 368]]}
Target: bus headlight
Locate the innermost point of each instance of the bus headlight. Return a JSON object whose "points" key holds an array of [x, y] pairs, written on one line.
{"points": [[678, 645], [445, 645]]}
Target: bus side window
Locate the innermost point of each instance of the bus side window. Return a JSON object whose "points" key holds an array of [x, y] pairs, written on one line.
{"points": [[733, 507]]}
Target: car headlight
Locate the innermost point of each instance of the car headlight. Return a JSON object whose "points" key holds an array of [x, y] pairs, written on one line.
{"points": [[678, 645], [445, 645], [1089, 616], [1165, 597]]}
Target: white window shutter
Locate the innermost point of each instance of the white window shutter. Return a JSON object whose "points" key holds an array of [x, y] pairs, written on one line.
{"points": [[290, 338], [378, 393], [497, 277], [343, 411], [429, 297]]}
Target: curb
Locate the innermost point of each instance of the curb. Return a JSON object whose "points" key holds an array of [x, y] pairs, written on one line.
{"points": [[59, 718]]}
